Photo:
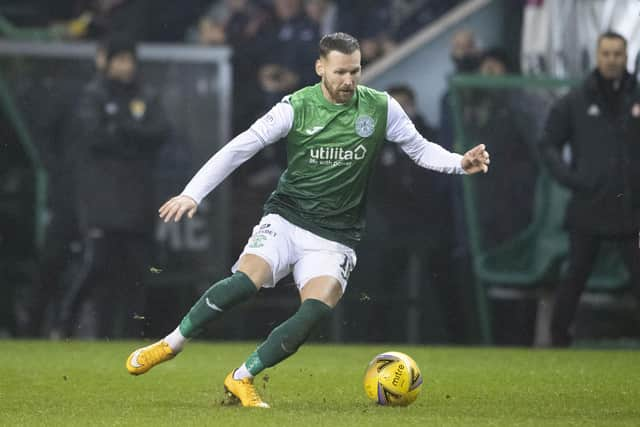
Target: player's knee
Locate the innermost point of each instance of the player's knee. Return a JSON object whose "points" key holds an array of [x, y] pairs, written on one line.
{"points": [[325, 289], [256, 269]]}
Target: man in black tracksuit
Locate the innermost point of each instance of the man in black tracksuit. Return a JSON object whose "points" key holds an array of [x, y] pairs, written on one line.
{"points": [[600, 120], [119, 127]]}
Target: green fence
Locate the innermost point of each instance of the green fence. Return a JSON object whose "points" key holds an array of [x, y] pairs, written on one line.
{"points": [[25, 200]]}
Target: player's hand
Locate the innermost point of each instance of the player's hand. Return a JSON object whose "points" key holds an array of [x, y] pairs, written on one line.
{"points": [[176, 207], [476, 160]]}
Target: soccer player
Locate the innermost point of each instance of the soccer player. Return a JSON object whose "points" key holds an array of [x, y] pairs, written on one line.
{"points": [[315, 217]]}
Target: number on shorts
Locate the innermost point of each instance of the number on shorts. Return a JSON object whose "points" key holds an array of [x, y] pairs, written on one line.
{"points": [[346, 267]]}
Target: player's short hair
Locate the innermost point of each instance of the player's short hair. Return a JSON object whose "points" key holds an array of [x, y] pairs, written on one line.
{"points": [[612, 35], [341, 42]]}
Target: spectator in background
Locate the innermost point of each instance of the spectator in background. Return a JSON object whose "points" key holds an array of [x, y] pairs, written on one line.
{"points": [[103, 17], [170, 19], [410, 16], [324, 13], [119, 128], [235, 23], [51, 125], [494, 62], [407, 99], [282, 71], [229, 22], [497, 117], [370, 21], [600, 121], [464, 53], [143, 20], [409, 218], [465, 56]]}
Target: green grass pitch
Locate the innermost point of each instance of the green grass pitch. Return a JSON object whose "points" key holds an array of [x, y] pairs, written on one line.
{"points": [[86, 384]]}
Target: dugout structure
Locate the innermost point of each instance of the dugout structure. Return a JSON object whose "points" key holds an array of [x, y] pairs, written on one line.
{"points": [[514, 215]]}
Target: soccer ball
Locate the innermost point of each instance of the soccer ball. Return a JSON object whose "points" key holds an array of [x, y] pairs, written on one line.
{"points": [[393, 379]]}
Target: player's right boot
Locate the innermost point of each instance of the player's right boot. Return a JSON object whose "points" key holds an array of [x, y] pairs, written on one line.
{"points": [[145, 358], [244, 391]]}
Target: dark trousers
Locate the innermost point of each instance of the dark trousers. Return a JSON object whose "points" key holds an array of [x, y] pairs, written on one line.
{"points": [[583, 253], [111, 275], [54, 271], [8, 323]]}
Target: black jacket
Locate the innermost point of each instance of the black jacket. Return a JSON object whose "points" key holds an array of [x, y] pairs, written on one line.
{"points": [[117, 132], [602, 127]]}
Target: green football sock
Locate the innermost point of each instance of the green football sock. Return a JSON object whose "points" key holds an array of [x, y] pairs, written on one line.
{"points": [[219, 297], [285, 340]]}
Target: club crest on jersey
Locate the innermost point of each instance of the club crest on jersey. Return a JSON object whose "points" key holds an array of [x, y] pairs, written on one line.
{"points": [[365, 126]]}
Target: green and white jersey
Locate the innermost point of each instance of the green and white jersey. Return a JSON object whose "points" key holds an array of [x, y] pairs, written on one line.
{"points": [[331, 151]]}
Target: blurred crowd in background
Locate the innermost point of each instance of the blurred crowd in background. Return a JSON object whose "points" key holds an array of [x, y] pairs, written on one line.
{"points": [[98, 253]]}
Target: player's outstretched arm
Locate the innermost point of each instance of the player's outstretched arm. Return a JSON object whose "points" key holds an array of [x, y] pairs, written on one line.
{"points": [[268, 129], [476, 160], [426, 154], [176, 207]]}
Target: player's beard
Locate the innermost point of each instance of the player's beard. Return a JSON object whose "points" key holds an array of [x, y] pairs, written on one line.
{"points": [[339, 96]]}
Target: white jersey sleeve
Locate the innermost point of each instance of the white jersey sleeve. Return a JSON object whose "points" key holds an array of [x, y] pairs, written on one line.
{"points": [[401, 130], [268, 129]]}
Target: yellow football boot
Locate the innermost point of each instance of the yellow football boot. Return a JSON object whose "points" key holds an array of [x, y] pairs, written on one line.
{"points": [[145, 358], [244, 391]]}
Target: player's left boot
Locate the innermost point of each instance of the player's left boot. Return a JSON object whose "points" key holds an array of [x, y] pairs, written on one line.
{"points": [[145, 358], [244, 391]]}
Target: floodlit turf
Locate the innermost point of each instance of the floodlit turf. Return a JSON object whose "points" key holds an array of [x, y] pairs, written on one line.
{"points": [[86, 384]]}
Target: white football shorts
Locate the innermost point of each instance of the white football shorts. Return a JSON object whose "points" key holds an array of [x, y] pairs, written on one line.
{"points": [[287, 247]]}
